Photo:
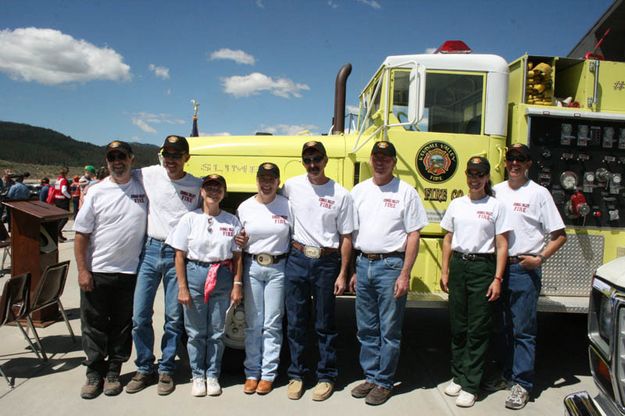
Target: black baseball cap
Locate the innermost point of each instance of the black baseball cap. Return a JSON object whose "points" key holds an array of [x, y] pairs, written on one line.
{"points": [[519, 150], [479, 164], [386, 148], [268, 168], [215, 178], [318, 146], [178, 143], [118, 145]]}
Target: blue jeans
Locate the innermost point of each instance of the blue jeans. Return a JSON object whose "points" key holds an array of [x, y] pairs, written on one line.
{"points": [[157, 262], [205, 322], [379, 317], [521, 291], [305, 277], [264, 308]]}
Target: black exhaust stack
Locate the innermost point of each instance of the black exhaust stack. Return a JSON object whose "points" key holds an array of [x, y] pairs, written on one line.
{"points": [[340, 88]]}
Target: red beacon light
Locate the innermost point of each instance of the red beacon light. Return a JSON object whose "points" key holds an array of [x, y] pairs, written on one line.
{"points": [[453, 46]]}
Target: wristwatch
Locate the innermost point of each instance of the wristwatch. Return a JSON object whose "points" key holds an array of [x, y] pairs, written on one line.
{"points": [[543, 259]]}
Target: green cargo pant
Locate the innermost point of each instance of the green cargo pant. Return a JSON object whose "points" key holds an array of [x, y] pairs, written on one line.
{"points": [[470, 315]]}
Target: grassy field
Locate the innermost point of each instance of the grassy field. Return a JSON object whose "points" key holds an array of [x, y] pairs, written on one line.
{"points": [[39, 171]]}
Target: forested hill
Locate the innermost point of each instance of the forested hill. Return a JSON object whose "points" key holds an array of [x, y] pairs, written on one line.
{"points": [[36, 145]]}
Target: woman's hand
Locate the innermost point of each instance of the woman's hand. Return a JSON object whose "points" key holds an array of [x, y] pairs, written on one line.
{"points": [[236, 296], [184, 297], [444, 282], [494, 290]]}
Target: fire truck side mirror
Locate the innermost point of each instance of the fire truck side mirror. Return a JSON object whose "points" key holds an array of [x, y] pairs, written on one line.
{"points": [[416, 94]]}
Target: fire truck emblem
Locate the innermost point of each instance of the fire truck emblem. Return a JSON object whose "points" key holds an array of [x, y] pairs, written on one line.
{"points": [[436, 162]]}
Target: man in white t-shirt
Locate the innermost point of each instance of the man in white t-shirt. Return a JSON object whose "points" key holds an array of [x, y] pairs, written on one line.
{"points": [[110, 228], [388, 215], [172, 192], [534, 216], [317, 266]]}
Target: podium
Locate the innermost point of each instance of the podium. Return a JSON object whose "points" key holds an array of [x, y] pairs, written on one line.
{"points": [[34, 246]]}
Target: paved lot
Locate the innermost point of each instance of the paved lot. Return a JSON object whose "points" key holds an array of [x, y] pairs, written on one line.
{"points": [[53, 387]]}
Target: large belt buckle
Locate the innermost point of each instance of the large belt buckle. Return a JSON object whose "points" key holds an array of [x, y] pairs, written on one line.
{"points": [[468, 257], [264, 259], [312, 252]]}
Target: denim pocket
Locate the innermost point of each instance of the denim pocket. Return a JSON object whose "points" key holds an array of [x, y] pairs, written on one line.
{"points": [[394, 263]]}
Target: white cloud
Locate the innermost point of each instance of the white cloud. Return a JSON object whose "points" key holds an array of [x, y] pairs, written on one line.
{"points": [[333, 4], [352, 109], [159, 71], [371, 3], [238, 56], [430, 50], [289, 129], [146, 121], [51, 57], [219, 133], [255, 83], [260, 4]]}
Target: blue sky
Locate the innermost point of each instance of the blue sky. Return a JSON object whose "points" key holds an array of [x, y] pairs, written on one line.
{"points": [[105, 69]]}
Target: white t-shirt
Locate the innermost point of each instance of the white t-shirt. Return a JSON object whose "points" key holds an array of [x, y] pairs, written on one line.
{"points": [[384, 215], [532, 214], [475, 224], [206, 238], [169, 200], [115, 215], [268, 226], [320, 212]]}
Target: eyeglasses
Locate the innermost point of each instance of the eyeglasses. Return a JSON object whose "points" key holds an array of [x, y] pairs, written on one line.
{"points": [[210, 225], [475, 174], [518, 158], [309, 160], [169, 155], [113, 156]]}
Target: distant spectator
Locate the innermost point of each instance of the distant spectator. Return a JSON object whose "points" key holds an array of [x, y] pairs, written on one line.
{"points": [[90, 173], [18, 191], [102, 173], [45, 187], [62, 198], [74, 190]]}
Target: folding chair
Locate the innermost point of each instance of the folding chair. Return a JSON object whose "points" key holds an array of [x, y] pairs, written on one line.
{"points": [[5, 244], [15, 305], [48, 292]]}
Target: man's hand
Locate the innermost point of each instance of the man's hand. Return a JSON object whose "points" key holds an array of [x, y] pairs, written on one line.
{"points": [[401, 285], [352, 283], [236, 295], [530, 262], [494, 290], [444, 282], [242, 238], [340, 284], [85, 280]]}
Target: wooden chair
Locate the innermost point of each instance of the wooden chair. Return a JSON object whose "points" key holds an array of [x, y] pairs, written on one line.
{"points": [[15, 305], [48, 292]]}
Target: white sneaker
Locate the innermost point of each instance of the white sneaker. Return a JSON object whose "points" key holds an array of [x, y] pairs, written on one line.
{"points": [[465, 399], [452, 389], [212, 387], [198, 387]]}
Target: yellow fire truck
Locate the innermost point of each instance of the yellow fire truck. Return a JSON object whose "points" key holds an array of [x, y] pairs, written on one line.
{"points": [[440, 109]]}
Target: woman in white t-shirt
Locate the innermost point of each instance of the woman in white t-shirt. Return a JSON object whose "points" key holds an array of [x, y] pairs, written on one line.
{"points": [[208, 269], [266, 220], [475, 250]]}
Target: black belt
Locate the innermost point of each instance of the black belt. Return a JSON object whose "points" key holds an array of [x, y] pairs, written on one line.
{"points": [[274, 259], [381, 256], [514, 260], [474, 256], [203, 263]]}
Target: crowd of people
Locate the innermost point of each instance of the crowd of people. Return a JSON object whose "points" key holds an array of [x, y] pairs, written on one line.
{"points": [[287, 254]]}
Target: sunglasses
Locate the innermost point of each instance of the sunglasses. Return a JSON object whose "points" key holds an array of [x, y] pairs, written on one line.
{"points": [[175, 156], [309, 160], [113, 156], [518, 158], [475, 174]]}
